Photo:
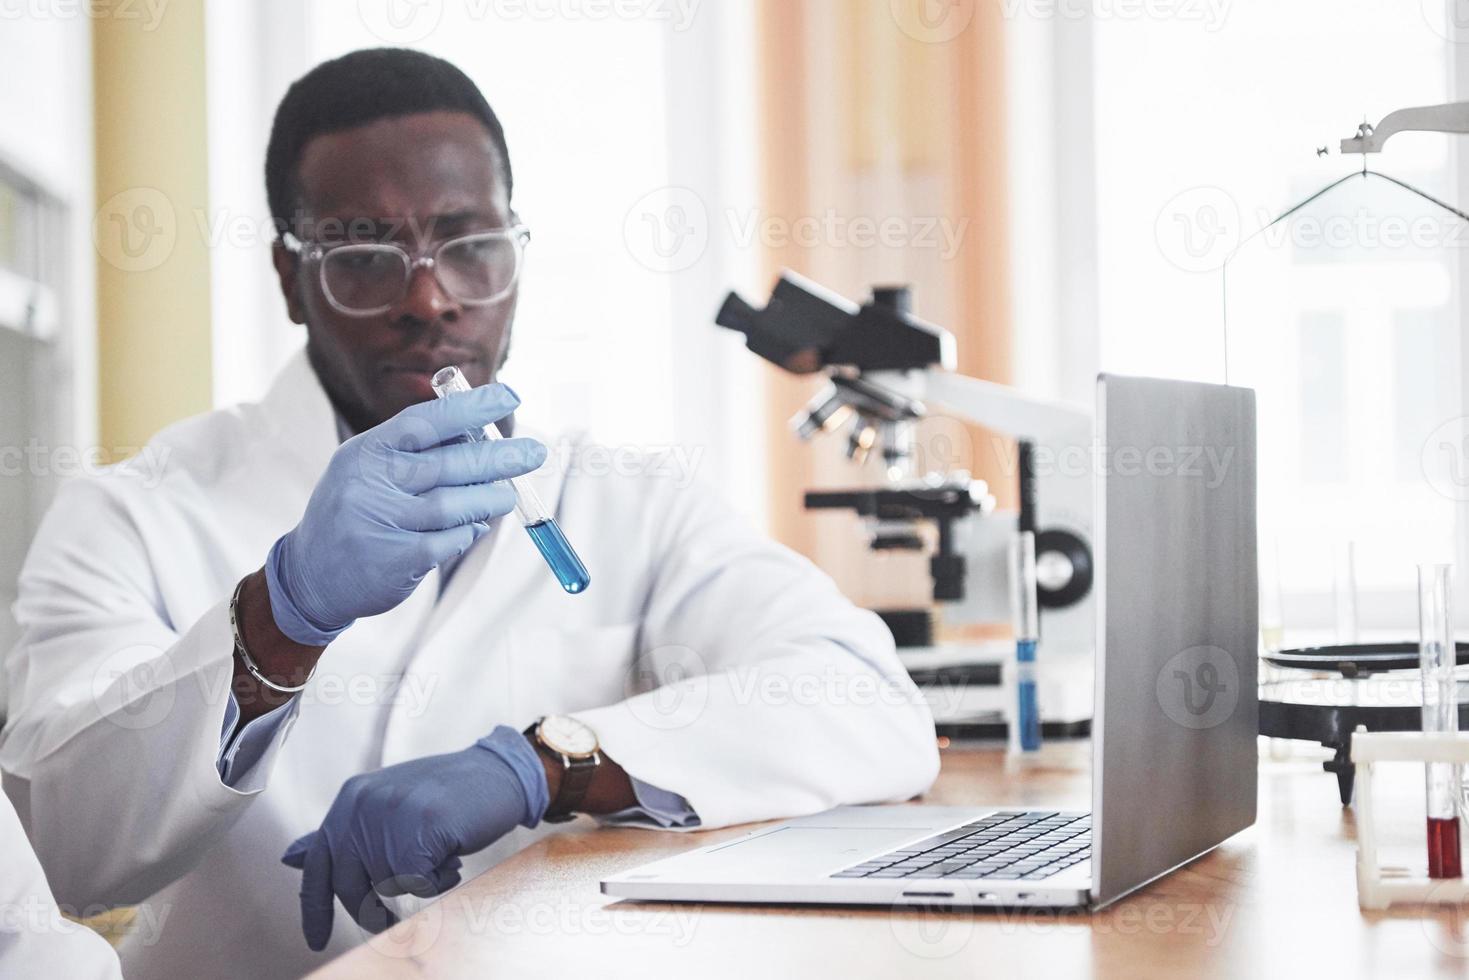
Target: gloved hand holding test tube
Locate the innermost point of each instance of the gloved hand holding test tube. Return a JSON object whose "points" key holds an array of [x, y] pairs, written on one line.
{"points": [[538, 522]]}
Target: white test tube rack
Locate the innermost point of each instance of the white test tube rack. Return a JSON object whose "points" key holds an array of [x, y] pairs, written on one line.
{"points": [[1378, 886]]}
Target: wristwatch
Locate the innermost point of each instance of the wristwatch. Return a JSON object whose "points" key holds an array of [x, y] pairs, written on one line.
{"points": [[565, 740]]}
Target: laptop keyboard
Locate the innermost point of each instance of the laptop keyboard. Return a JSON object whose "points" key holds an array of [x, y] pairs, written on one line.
{"points": [[1013, 845]]}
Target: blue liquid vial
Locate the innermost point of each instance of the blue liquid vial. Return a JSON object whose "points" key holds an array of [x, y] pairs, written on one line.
{"points": [[1027, 734], [539, 524], [1028, 712], [560, 555]]}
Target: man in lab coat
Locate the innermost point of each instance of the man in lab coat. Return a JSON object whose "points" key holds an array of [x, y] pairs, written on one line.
{"points": [[454, 702]]}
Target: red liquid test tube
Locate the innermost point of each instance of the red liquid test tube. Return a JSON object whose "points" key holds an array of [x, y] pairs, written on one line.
{"points": [[1436, 657], [1443, 848]]}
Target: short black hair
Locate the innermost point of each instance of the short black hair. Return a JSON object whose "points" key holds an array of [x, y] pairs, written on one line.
{"points": [[359, 88]]}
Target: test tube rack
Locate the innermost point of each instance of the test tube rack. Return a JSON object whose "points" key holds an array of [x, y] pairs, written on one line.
{"points": [[1379, 887]]}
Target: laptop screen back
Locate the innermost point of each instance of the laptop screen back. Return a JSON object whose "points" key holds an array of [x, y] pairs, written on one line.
{"points": [[1174, 765]]}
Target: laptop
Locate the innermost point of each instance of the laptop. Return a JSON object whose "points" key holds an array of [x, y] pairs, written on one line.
{"points": [[1173, 733]]}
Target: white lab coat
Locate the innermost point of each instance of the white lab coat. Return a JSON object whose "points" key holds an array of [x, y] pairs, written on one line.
{"points": [[35, 941], [782, 697]]}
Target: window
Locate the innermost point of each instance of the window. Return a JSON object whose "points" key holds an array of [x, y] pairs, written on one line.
{"points": [[1345, 317]]}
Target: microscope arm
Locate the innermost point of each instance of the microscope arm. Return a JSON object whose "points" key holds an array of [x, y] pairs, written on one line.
{"points": [[1004, 409], [994, 406]]}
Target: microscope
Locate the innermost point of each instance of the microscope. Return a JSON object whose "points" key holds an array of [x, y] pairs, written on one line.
{"points": [[886, 370]]}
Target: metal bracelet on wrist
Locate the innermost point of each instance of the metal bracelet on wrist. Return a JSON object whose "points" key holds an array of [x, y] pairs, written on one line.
{"points": [[244, 654]]}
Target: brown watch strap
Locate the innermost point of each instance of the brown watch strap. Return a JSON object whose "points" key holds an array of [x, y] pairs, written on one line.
{"points": [[576, 779]]}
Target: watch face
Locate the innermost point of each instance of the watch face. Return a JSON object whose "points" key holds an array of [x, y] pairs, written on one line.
{"points": [[567, 736]]}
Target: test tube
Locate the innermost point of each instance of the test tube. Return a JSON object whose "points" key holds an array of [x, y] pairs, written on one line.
{"points": [[1026, 730], [1345, 592], [1440, 714], [538, 522]]}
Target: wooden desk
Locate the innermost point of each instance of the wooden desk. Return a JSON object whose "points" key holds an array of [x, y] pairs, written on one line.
{"points": [[1278, 900]]}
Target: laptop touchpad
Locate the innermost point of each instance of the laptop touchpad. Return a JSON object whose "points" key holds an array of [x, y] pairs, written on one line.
{"points": [[812, 849]]}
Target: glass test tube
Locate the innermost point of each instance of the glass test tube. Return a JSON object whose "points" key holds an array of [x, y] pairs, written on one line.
{"points": [[1345, 592], [1436, 656], [538, 522], [1026, 729]]}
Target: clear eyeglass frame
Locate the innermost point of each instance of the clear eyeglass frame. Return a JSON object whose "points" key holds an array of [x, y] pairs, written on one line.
{"points": [[518, 235]]}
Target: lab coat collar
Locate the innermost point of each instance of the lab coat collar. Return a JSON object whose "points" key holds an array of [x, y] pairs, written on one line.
{"points": [[300, 419]]}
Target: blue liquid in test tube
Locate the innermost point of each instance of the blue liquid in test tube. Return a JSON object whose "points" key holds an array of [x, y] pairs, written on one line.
{"points": [[539, 524], [1029, 712], [1027, 631], [559, 554]]}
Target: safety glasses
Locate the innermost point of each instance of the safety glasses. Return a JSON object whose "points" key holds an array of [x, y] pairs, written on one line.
{"points": [[371, 278]]}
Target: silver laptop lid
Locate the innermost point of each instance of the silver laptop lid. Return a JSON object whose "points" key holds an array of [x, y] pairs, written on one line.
{"points": [[1174, 757]]}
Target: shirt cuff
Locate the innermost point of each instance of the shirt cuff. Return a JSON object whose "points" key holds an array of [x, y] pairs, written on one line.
{"points": [[656, 808], [240, 751]]}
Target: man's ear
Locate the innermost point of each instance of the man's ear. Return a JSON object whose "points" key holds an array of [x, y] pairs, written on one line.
{"points": [[287, 270]]}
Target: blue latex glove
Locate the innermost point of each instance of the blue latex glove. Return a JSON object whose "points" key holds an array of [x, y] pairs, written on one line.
{"points": [[395, 502], [402, 829]]}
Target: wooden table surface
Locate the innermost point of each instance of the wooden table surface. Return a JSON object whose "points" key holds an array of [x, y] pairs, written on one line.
{"points": [[1278, 900]]}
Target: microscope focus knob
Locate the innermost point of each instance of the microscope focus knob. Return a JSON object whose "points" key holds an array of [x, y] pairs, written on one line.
{"points": [[1063, 569], [1053, 571]]}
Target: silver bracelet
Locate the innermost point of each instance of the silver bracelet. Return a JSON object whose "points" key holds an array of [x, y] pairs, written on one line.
{"points": [[245, 654]]}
